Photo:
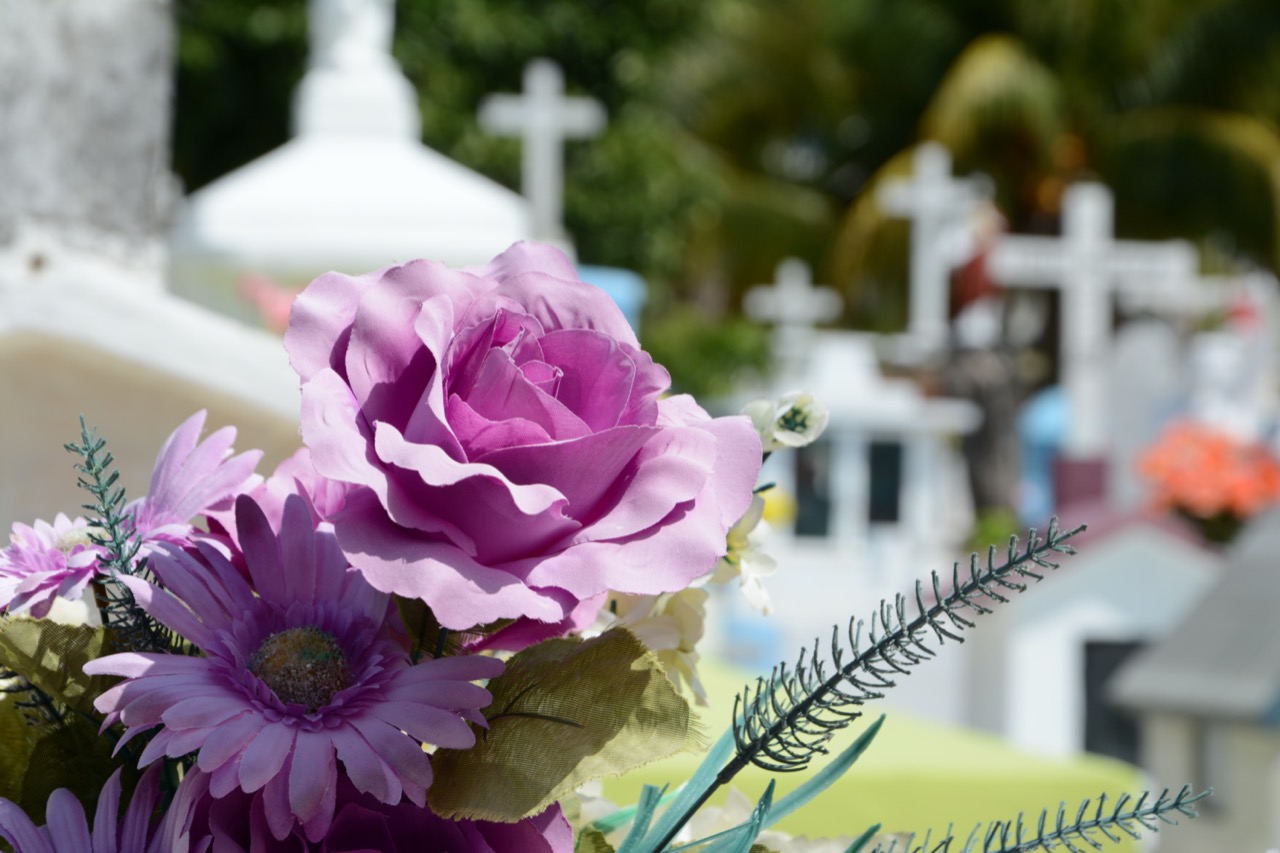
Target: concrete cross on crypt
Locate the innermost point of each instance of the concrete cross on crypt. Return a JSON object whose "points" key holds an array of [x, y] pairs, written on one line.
{"points": [[935, 202], [544, 118], [794, 306], [1086, 263]]}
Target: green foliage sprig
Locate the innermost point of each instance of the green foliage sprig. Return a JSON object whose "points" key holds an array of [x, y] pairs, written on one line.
{"points": [[132, 627], [781, 723], [1017, 836], [784, 721]]}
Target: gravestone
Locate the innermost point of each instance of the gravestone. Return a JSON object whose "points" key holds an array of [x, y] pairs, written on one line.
{"points": [[543, 117], [1147, 390], [353, 190], [1086, 264], [939, 207], [85, 323], [794, 306]]}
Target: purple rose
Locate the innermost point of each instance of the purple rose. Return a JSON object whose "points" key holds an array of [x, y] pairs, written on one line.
{"points": [[506, 441]]}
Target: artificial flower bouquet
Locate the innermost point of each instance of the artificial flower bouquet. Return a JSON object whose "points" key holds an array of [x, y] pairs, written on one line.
{"points": [[477, 588], [1210, 477]]}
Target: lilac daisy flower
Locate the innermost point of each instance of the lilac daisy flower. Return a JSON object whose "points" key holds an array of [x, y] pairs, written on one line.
{"points": [[45, 562], [301, 671], [189, 480], [237, 824], [68, 830]]}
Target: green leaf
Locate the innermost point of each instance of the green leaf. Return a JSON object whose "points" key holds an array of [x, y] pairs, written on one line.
{"points": [[864, 839], [71, 755], [693, 792], [820, 781], [17, 740], [592, 840], [649, 799], [564, 712], [52, 657], [741, 838], [617, 819]]}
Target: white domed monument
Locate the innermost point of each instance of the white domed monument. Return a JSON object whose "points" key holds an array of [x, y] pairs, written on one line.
{"points": [[353, 190]]}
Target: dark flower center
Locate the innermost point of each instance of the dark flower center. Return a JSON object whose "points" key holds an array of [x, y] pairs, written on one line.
{"points": [[302, 665]]}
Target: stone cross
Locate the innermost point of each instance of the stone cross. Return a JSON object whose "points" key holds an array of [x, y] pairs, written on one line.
{"points": [[1086, 263], [544, 118], [794, 306], [935, 202]]}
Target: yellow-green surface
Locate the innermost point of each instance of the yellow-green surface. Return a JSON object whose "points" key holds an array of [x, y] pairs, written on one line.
{"points": [[915, 776]]}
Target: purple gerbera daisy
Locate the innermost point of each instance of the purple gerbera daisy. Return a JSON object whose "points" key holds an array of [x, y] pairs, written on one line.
{"points": [[237, 824], [45, 562], [68, 830], [189, 480], [300, 671]]}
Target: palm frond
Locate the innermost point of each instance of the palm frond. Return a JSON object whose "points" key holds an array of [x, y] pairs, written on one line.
{"points": [[785, 720]]}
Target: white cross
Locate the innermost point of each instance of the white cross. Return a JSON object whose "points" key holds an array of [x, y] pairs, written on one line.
{"points": [[1086, 264], [794, 306], [544, 118], [935, 203]]}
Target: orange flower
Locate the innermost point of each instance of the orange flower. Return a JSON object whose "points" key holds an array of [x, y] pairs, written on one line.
{"points": [[1205, 473]]}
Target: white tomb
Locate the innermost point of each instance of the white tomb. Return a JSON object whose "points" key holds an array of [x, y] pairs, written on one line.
{"points": [[543, 117], [86, 326], [882, 497], [1030, 660], [354, 190]]}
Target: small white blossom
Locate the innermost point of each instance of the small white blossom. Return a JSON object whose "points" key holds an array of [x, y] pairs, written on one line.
{"points": [[794, 420], [745, 560], [670, 624]]}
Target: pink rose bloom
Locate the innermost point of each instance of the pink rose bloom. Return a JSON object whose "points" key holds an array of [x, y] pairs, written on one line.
{"points": [[506, 439]]}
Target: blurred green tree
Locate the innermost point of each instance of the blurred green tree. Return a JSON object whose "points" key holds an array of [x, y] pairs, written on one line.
{"points": [[743, 132]]}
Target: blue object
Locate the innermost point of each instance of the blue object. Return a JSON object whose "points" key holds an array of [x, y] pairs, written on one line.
{"points": [[626, 288], [1042, 429]]}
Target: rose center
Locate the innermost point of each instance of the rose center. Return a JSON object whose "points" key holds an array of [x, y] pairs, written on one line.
{"points": [[302, 665]]}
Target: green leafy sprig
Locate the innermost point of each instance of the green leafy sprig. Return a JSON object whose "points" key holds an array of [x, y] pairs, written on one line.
{"points": [[1090, 822], [784, 721], [132, 627], [781, 723]]}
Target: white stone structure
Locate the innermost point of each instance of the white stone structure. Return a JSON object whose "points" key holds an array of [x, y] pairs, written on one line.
{"points": [[1130, 584], [543, 117], [354, 190], [859, 553], [940, 208], [86, 326], [1086, 264], [1208, 700], [794, 306]]}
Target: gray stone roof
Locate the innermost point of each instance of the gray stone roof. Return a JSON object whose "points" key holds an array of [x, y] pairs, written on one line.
{"points": [[1224, 659]]}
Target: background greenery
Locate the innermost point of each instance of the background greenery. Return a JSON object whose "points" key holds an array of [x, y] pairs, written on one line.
{"points": [[742, 132]]}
